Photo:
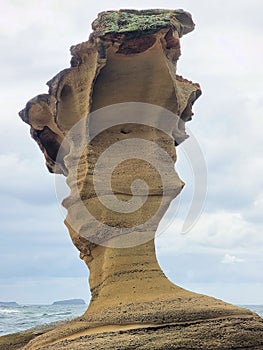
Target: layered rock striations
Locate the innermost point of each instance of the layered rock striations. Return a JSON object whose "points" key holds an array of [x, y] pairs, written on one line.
{"points": [[122, 94]]}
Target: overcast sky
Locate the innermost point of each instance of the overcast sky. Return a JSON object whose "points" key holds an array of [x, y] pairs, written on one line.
{"points": [[223, 254]]}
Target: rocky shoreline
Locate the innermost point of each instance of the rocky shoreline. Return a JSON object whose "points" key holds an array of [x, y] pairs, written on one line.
{"points": [[17, 341], [195, 335]]}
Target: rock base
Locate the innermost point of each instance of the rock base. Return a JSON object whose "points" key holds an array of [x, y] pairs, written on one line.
{"points": [[224, 333], [188, 321]]}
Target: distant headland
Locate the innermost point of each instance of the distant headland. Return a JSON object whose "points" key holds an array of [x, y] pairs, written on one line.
{"points": [[8, 303]]}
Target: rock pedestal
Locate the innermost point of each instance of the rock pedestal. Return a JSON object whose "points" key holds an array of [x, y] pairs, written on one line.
{"points": [[110, 124]]}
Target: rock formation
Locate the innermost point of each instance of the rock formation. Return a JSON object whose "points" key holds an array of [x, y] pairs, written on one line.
{"points": [[122, 91]]}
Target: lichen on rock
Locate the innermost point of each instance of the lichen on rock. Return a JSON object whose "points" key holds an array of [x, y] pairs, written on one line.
{"points": [[134, 23]]}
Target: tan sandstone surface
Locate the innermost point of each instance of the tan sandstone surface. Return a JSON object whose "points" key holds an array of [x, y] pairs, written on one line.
{"points": [[130, 58]]}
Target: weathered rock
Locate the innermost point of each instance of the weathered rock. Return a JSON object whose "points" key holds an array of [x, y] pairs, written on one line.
{"points": [[130, 58], [17, 341]]}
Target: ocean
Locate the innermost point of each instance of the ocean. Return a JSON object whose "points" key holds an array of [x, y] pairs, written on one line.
{"points": [[18, 318]]}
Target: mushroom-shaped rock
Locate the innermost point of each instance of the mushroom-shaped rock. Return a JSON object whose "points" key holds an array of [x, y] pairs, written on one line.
{"points": [[110, 124]]}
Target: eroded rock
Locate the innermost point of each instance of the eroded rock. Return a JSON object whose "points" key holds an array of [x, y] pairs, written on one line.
{"points": [[127, 66]]}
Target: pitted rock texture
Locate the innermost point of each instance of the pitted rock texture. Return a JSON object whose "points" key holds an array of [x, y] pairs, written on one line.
{"points": [[215, 334], [130, 57]]}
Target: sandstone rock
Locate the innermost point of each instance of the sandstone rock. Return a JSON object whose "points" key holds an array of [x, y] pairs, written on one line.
{"points": [[129, 62]]}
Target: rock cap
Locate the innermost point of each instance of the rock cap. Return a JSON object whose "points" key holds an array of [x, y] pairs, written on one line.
{"points": [[133, 22]]}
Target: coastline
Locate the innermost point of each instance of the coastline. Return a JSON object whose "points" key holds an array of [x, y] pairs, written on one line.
{"points": [[16, 341]]}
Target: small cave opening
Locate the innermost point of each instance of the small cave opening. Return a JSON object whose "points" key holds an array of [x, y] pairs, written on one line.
{"points": [[125, 131], [65, 92]]}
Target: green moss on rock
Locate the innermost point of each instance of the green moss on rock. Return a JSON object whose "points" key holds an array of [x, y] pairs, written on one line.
{"points": [[144, 22]]}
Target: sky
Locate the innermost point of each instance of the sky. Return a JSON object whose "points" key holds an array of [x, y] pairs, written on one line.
{"points": [[222, 255]]}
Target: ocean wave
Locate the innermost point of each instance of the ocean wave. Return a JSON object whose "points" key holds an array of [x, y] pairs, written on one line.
{"points": [[9, 311]]}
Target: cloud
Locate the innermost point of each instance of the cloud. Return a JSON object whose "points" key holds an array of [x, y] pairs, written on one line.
{"points": [[254, 214], [18, 183], [216, 230], [231, 259], [197, 256]]}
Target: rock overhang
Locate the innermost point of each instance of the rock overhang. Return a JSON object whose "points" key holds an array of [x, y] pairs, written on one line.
{"points": [[116, 34]]}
